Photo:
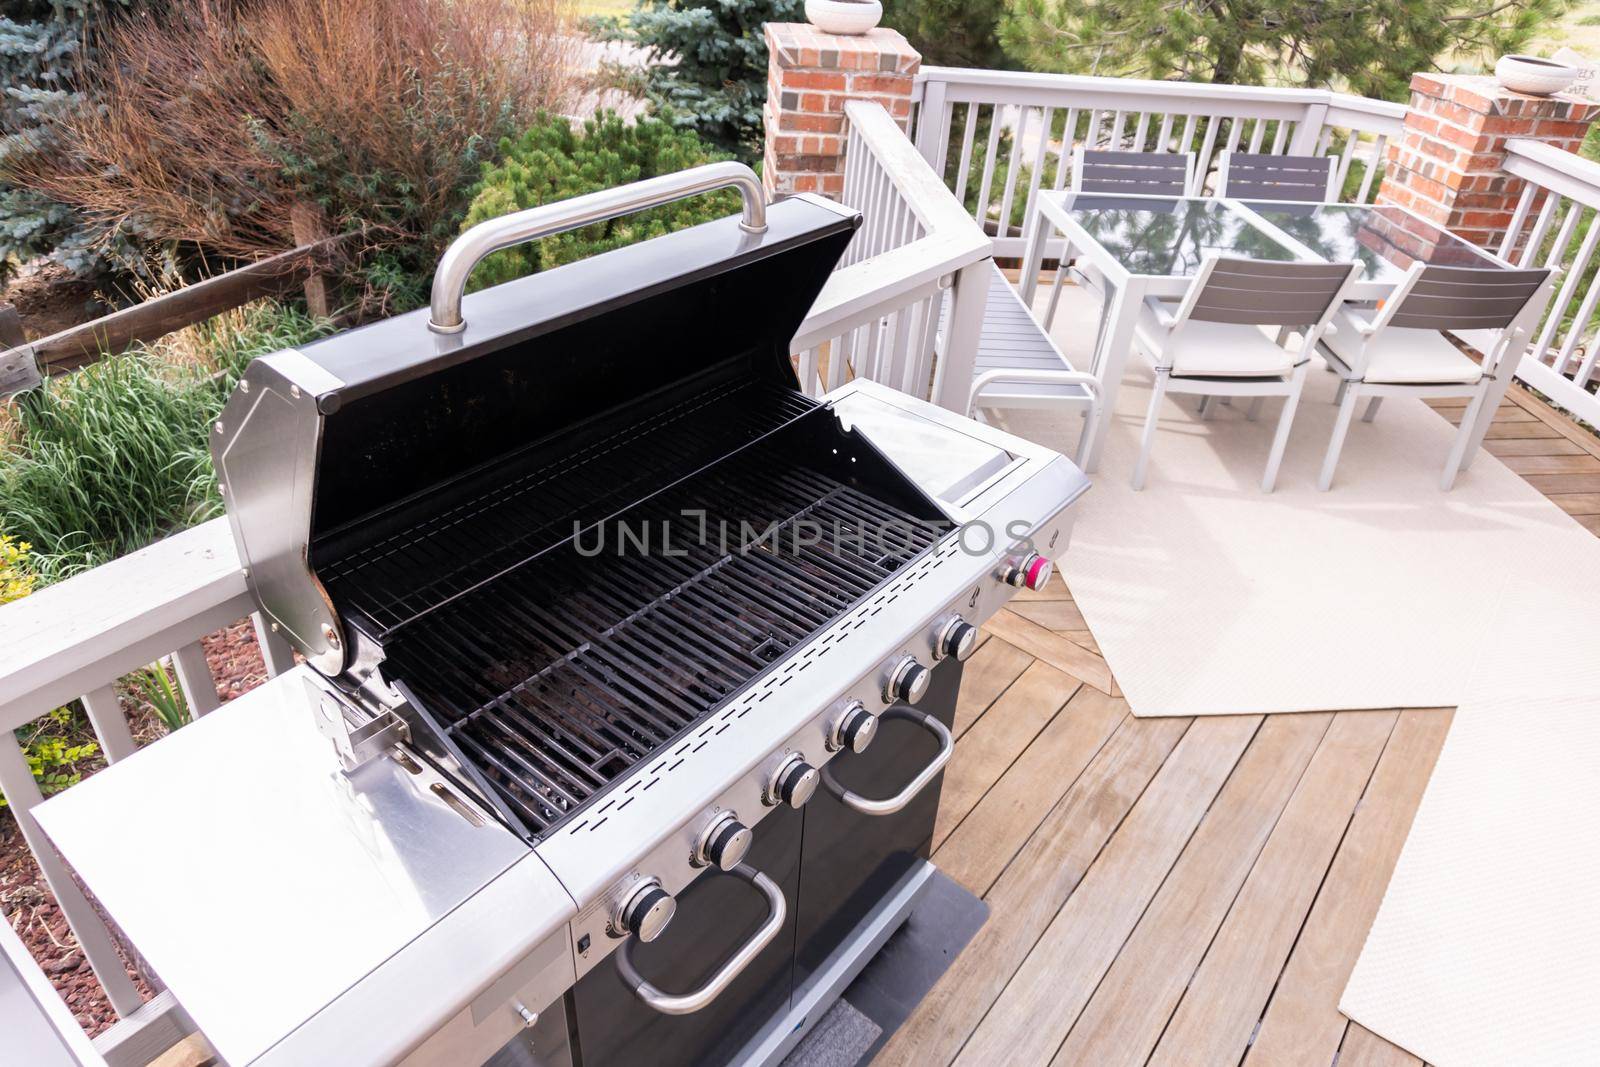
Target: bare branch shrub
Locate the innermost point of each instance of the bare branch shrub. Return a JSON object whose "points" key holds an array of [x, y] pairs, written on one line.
{"points": [[220, 123]]}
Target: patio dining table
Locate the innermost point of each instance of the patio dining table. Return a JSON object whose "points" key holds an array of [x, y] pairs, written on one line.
{"points": [[1145, 246]]}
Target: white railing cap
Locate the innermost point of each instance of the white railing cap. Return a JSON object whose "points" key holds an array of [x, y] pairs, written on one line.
{"points": [[60, 630]]}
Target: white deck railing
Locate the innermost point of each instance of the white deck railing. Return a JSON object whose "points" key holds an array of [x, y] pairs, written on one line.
{"points": [[982, 130], [1561, 363], [878, 317]]}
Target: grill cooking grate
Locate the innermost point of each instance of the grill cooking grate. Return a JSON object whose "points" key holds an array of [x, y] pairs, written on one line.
{"points": [[448, 552], [563, 673]]}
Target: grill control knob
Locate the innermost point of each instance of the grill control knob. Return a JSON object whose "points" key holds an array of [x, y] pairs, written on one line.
{"points": [[723, 843], [908, 681], [853, 729], [646, 911], [958, 638], [1032, 572], [792, 783]]}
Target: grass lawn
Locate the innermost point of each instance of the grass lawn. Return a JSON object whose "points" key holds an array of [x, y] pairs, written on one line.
{"points": [[586, 8]]}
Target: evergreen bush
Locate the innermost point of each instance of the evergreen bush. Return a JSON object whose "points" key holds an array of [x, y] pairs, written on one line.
{"points": [[554, 161]]}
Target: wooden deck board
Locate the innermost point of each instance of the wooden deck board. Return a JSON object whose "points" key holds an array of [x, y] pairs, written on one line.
{"points": [[1171, 891]]}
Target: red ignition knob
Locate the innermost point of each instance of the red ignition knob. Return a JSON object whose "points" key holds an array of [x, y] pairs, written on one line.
{"points": [[1032, 573]]}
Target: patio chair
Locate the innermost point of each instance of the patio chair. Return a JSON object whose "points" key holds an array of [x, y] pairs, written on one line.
{"points": [[1256, 176], [1213, 343], [1402, 351], [1141, 173], [1019, 365]]}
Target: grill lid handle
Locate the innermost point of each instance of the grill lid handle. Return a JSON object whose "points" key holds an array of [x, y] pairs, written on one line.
{"points": [[494, 235], [687, 1003]]}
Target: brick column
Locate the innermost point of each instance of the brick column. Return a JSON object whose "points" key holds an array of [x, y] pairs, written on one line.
{"points": [[1446, 164], [810, 77]]}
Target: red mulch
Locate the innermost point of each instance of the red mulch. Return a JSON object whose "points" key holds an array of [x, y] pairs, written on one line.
{"points": [[25, 899]]}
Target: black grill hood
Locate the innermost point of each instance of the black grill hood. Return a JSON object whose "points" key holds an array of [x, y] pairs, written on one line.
{"points": [[545, 353]]}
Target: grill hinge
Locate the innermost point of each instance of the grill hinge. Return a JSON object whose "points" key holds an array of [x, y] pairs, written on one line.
{"points": [[357, 735]]}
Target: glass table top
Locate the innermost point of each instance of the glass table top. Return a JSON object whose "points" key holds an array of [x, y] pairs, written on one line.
{"points": [[1169, 237], [1385, 240]]}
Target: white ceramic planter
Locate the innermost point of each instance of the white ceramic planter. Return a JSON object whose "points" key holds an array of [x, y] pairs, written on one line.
{"points": [[1532, 75], [848, 18]]}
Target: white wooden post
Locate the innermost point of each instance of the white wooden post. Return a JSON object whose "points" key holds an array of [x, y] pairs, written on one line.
{"points": [[933, 125], [969, 297], [22, 794], [110, 725], [276, 651], [194, 678]]}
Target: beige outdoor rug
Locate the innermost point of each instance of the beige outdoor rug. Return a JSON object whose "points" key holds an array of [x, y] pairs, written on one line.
{"points": [[1209, 597], [1486, 950]]}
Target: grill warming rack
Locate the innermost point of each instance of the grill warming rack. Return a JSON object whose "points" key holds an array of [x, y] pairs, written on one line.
{"points": [[563, 672]]}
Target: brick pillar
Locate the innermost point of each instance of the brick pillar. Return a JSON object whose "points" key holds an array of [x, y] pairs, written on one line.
{"points": [[810, 76], [1446, 164]]}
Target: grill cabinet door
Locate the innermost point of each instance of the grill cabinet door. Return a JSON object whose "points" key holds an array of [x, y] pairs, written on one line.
{"points": [[850, 860], [715, 915]]}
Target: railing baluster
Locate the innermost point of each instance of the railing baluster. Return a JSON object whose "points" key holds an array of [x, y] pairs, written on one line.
{"points": [[1140, 131], [1097, 118], [982, 213], [902, 361], [1569, 286], [276, 651], [807, 371], [1069, 135], [22, 796], [1164, 135], [1345, 155], [1372, 168], [1186, 144], [1580, 323], [966, 152], [1116, 131], [1039, 157], [1013, 169], [1541, 227], [1281, 137], [194, 678], [1519, 218], [104, 709], [925, 347], [1257, 131], [1324, 139], [1569, 226], [1203, 163]]}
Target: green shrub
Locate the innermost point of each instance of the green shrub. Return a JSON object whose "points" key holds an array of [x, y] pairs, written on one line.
{"points": [[115, 456], [16, 579], [708, 64], [56, 746], [553, 161]]}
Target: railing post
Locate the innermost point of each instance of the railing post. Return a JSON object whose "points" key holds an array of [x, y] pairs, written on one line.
{"points": [[1448, 163], [1308, 132], [22, 794], [933, 125], [811, 77], [952, 387], [110, 725]]}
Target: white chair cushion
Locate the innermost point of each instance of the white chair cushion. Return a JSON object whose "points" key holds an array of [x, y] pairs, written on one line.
{"points": [[1214, 349], [1405, 357]]}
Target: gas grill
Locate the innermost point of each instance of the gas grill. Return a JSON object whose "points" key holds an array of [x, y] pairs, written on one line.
{"points": [[616, 634]]}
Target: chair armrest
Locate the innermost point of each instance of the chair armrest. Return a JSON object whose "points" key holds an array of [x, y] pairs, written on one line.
{"points": [[1089, 382], [1163, 316]]}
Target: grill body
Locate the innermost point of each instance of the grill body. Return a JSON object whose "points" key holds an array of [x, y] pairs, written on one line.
{"points": [[578, 579]]}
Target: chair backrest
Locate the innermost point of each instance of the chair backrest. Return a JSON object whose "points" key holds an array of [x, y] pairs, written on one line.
{"points": [[1254, 292], [1461, 298], [1255, 176], [1465, 298], [1146, 173]]}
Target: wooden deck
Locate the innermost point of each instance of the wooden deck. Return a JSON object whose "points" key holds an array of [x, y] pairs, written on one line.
{"points": [[1182, 892]]}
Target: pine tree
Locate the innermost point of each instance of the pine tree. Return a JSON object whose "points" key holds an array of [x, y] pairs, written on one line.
{"points": [[708, 69], [1371, 47], [951, 33]]}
